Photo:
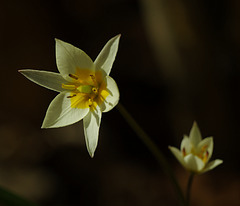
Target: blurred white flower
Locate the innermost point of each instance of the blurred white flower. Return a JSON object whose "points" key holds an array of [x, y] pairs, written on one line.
{"points": [[195, 153], [86, 89]]}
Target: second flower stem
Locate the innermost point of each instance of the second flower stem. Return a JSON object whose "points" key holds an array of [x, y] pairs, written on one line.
{"points": [[153, 149], [189, 185]]}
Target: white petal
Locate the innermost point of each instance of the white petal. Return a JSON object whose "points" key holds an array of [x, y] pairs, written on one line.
{"points": [[186, 144], [60, 113], [107, 56], [195, 135], [208, 143], [112, 99], [49, 80], [69, 58], [193, 163], [211, 165], [91, 124], [177, 153]]}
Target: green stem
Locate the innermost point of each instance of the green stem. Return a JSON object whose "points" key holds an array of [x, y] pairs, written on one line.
{"points": [[189, 185], [153, 149], [8, 198]]}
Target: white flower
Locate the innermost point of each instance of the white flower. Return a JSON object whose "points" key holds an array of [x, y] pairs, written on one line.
{"points": [[86, 89], [195, 152]]}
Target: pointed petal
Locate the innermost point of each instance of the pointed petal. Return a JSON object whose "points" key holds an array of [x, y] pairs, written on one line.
{"points": [[177, 153], [211, 165], [69, 58], [195, 135], [206, 144], [91, 124], [60, 113], [186, 144], [109, 87], [49, 80], [193, 163], [107, 56]]}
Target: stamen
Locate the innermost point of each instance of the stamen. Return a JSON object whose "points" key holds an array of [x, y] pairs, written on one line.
{"points": [[90, 101], [204, 148], [184, 152], [205, 157], [68, 86], [71, 96], [93, 79], [73, 76]]}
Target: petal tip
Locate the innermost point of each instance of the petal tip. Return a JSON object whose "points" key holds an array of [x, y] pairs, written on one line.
{"points": [[91, 155], [195, 124], [119, 35], [91, 152], [56, 39], [219, 161], [43, 127], [22, 71]]}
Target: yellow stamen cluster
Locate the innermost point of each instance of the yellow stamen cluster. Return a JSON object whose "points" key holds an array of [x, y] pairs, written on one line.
{"points": [[203, 154], [86, 89]]}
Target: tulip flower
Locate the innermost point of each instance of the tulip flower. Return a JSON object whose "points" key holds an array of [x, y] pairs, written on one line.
{"points": [[195, 153], [85, 88]]}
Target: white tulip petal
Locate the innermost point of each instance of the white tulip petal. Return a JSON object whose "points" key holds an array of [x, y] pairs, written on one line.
{"points": [[186, 145], [91, 124], [208, 143], [49, 80], [177, 153], [193, 163], [107, 56], [60, 113], [112, 99], [195, 135], [211, 165], [69, 58]]}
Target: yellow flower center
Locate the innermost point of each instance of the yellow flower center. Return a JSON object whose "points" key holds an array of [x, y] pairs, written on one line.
{"points": [[88, 89], [203, 154]]}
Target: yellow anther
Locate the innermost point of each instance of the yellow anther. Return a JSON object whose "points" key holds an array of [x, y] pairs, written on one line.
{"points": [[205, 157], [68, 86], [93, 79], [73, 76], [184, 152], [92, 76], [203, 149], [71, 96], [90, 102]]}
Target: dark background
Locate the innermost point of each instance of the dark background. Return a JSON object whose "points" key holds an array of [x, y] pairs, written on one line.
{"points": [[178, 61]]}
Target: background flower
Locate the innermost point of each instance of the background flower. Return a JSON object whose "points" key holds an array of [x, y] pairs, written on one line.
{"points": [[195, 153]]}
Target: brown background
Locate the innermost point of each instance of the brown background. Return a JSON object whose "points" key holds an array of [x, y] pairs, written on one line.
{"points": [[178, 61]]}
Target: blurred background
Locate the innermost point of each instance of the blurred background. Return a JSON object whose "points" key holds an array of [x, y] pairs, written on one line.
{"points": [[178, 61]]}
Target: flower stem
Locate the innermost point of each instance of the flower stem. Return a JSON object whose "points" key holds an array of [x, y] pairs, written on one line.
{"points": [[189, 185], [153, 149]]}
